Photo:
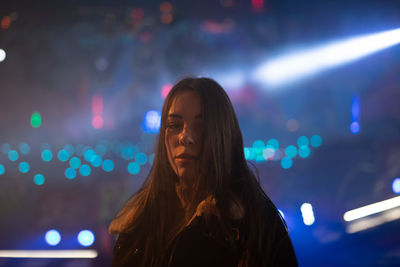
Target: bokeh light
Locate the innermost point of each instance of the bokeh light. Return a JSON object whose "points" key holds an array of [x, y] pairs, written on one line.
{"points": [[86, 238], [165, 90], [291, 151], [355, 127], [75, 162], [396, 185], [53, 237], [24, 148], [85, 170], [47, 155], [108, 165], [133, 168], [304, 152], [24, 167], [273, 143], [97, 122], [151, 121], [38, 179], [268, 153], [2, 55], [36, 120], [286, 162], [13, 155], [302, 141], [141, 158], [97, 161], [70, 173], [316, 140], [307, 213], [63, 155], [89, 155], [2, 169]]}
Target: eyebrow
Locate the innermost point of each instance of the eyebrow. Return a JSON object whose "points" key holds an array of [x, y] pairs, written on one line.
{"points": [[178, 116]]}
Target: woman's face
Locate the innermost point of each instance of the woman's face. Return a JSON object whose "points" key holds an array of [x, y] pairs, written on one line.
{"points": [[183, 134]]}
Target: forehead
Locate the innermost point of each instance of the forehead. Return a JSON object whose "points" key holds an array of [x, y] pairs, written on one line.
{"points": [[186, 103]]}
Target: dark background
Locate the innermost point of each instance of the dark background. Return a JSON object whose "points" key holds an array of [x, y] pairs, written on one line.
{"points": [[61, 53]]}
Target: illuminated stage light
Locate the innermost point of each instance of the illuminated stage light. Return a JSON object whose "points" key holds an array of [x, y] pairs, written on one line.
{"points": [[70, 173], [151, 121], [47, 155], [5, 148], [108, 165], [24, 148], [127, 153], [302, 141], [70, 149], [63, 155], [2, 55], [396, 185], [316, 140], [24, 167], [13, 155], [297, 65], [355, 127], [165, 90], [85, 170], [371, 209], [2, 169], [97, 122], [286, 162], [373, 221], [133, 168], [50, 254], [151, 159], [38, 179], [89, 155], [273, 143], [304, 152], [53, 237], [281, 213], [141, 158], [97, 161], [75, 162], [86, 238], [291, 151], [36, 120], [307, 213]]}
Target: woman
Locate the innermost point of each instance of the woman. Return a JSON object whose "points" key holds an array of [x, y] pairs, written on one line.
{"points": [[200, 205]]}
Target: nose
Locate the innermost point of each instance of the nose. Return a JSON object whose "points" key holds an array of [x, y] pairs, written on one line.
{"points": [[186, 137]]}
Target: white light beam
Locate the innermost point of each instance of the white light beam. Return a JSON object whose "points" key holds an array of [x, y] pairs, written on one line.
{"points": [[86, 253], [372, 209], [294, 66]]}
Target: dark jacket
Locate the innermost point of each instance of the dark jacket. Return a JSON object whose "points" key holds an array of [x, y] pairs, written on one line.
{"points": [[202, 244]]}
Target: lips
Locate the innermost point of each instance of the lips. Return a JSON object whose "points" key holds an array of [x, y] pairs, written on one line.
{"points": [[185, 158]]}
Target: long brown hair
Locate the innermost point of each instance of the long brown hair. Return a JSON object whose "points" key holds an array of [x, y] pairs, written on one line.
{"points": [[155, 214]]}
